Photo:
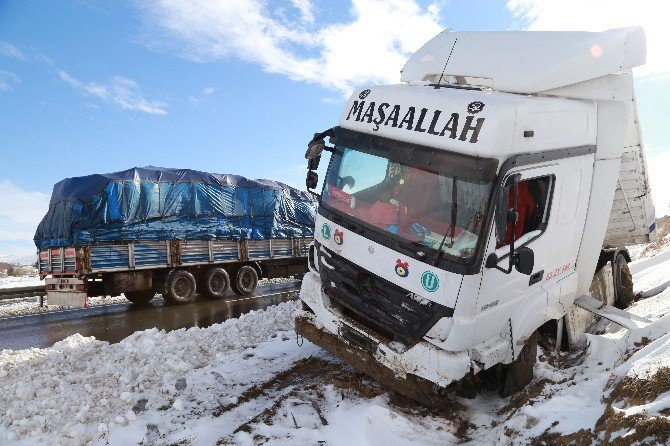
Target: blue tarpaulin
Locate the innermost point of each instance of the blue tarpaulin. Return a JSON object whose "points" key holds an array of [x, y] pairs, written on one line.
{"points": [[153, 203]]}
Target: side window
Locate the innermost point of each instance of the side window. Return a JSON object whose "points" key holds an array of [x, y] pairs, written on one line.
{"points": [[533, 206]]}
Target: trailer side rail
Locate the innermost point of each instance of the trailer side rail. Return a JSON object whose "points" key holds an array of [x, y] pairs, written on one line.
{"points": [[143, 255]]}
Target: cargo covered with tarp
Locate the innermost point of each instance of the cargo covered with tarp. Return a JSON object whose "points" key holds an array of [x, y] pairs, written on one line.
{"points": [[154, 203]]}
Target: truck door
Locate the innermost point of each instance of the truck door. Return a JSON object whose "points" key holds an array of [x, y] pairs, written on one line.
{"points": [[552, 206], [500, 293]]}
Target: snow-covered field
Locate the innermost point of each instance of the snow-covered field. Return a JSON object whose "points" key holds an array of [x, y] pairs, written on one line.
{"points": [[16, 282], [246, 382]]}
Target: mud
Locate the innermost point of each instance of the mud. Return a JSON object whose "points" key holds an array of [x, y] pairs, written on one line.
{"points": [[303, 384]]}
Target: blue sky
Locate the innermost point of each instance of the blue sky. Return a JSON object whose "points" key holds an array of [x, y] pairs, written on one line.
{"points": [[230, 87]]}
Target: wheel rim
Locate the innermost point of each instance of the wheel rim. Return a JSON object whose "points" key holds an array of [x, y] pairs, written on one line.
{"points": [[182, 287], [217, 283], [246, 280]]}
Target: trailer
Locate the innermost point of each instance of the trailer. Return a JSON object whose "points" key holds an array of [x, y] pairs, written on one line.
{"points": [[487, 199], [148, 231]]}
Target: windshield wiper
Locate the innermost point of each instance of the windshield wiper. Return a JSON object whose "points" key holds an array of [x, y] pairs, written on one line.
{"points": [[452, 228]]}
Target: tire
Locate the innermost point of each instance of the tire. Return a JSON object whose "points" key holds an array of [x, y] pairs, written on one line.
{"points": [[140, 297], [180, 287], [518, 374], [623, 283], [215, 283], [246, 281]]}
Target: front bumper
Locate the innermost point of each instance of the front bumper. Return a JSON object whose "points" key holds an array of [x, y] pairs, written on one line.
{"points": [[390, 363]]}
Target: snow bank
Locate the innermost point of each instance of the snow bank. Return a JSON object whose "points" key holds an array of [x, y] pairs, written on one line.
{"points": [[82, 390], [31, 305]]}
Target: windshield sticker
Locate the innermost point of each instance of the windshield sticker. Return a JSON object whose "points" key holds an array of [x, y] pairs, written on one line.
{"points": [[338, 237], [411, 119], [402, 268], [325, 231], [430, 282]]}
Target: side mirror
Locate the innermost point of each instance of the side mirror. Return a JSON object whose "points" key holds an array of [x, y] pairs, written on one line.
{"points": [[312, 179], [315, 148], [313, 163], [525, 260]]}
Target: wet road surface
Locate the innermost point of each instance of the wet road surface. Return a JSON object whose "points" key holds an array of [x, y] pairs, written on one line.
{"points": [[115, 322]]}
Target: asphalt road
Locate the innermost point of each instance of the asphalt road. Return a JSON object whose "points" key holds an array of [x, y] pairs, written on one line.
{"points": [[115, 322]]}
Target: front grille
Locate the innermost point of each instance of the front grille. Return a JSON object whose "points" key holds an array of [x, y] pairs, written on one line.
{"points": [[376, 303]]}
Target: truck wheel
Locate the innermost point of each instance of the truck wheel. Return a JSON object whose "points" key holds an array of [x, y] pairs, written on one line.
{"points": [[246, 281], [216, 283], [623, 282], [180, 287], [519, 373], [140, 297]]}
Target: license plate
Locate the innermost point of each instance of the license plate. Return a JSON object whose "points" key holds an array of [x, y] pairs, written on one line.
{"points": [[64, 281]]}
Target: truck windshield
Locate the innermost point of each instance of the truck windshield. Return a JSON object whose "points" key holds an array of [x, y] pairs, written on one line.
{"points": [[425, 208]]}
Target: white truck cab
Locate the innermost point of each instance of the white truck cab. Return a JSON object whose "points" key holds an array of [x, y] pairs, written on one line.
{"points": [[473, 204]]}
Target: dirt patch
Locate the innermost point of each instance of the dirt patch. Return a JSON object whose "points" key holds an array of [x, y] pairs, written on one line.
{"points": [[663, 231], [638, 429], [358, 382], [635, 391], [303, 371], [651, 430], [582, 437], [526, 397], [303, 384]]}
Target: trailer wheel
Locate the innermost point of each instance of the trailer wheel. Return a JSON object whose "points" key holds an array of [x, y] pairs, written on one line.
{"points": [[519, 373], [246, 281], [180, 287], [623, 282], [140, 297], [216, 283]]}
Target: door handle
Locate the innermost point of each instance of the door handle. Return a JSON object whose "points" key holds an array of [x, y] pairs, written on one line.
{"points": [[536, 277]]}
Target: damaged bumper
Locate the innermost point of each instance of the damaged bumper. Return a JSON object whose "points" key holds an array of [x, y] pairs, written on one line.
{"points": [[390, 363]]}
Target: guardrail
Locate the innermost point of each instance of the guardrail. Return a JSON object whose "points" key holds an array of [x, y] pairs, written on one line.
{"points": [[25, 291]]}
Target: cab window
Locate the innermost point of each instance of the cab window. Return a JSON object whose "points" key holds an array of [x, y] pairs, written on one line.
{"points": [[533, 207]]}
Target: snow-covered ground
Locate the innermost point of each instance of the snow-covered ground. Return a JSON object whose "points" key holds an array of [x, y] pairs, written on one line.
{"points": [[16, 282], [30, 305], [246, 382]]}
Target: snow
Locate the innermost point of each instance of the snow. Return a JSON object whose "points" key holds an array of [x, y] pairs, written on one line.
{"points": [[16, 282], [30, 305], [246, 382]]}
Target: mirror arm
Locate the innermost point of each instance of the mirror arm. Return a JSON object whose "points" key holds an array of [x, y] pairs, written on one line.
{"points": [[512, 256], [317, 136], [329, 132]]}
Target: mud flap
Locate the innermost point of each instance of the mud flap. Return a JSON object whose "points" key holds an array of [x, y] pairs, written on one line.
{"points": [[412, 387], [519, 373]]}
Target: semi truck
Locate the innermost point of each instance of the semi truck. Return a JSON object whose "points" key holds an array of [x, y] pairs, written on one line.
{"points": [[175, 232], [485, 200]]}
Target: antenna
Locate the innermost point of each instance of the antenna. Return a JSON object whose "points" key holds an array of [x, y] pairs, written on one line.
{"points": [[447, 63]]}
